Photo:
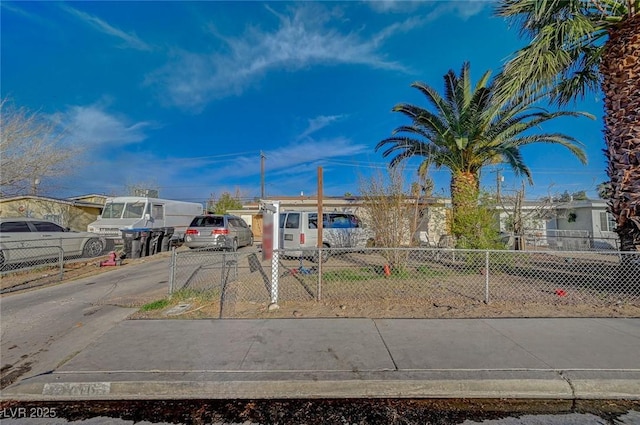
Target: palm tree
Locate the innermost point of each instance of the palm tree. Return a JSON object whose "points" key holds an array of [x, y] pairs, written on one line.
{"points": [[468, 129], [577, 46]]}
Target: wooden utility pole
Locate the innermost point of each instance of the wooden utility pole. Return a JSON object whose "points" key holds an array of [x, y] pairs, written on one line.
{"points": [[498, 183], [262, 158], [320, 196], [320, 227]]}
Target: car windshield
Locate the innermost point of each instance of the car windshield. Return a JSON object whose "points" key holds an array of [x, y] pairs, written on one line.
{"points": [[133, 210], [113, 210]]}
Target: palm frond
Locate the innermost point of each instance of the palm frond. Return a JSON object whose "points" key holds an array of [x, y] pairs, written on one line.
{"points": [[471, 127], [562, 59]]}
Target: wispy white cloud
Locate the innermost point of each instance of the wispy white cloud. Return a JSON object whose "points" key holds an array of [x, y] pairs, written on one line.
{"points": [[464, 9], [461, 8], [288, 158], [11, 7], [394, 6], [93, 126], [318, 123], [302, 39], [129, 40]]}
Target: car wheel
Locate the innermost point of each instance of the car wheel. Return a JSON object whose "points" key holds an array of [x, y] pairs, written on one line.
{"points": [[251, 241], [234, 245], [92, 248]]}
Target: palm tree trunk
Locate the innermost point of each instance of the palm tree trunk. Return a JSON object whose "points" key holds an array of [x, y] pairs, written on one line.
{"points": [[464, 200], [621, 87]]}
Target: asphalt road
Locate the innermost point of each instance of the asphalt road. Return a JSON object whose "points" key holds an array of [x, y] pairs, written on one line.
{"points": [[43, 328]]}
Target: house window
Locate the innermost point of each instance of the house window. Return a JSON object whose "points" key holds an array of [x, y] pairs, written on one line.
{"points": [[607, 222]]}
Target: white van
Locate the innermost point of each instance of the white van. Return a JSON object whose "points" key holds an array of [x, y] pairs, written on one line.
{"points": [[135, 212], [299, 231]]}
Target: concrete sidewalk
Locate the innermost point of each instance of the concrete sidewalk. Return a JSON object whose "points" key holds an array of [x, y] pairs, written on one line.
{"points": [[351, 358]]}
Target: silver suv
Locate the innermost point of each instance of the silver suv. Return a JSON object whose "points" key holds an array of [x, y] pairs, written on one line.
{"points": [[218, 231]]}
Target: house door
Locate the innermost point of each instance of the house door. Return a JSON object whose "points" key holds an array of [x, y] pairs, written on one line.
{"points": [[256, 226]]}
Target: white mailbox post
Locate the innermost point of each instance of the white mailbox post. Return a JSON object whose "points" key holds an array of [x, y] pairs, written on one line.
{"points": [[271, 244]]}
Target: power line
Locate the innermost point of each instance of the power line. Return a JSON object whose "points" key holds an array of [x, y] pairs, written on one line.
{"points": [[209, 156]]}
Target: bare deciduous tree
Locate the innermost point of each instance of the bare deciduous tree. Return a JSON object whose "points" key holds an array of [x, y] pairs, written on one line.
{"points": [[30, 151], [389, 212], [149, 188]]}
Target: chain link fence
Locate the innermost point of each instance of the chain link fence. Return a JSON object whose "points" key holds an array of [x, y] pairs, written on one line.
{"points": [[410, 282], [33, 262], [564, 240]]}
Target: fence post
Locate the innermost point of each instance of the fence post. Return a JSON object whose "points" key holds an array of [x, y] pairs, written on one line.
{"points": [[222, 279], [486, 278], [172, 270], [274, 278], [319, 289], [61, 260]]}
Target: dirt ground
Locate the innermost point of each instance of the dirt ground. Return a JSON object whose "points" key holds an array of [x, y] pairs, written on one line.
{"points": [[434, 302], [197, 309]]}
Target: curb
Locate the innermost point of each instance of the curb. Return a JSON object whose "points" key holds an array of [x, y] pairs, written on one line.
{"points": [[559, 389]]}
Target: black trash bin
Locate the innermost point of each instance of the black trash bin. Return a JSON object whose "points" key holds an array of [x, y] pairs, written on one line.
{"points": [[155, 240], [135, 242], [128, 238], [166, 238], [145, 238]]}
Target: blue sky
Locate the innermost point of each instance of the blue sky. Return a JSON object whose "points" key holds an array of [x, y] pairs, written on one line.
{"points": [[185, 95]]}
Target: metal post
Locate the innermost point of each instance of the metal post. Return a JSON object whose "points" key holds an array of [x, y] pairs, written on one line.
{"points": [[274, 276], [486, 278], [61, 260], [224, 265], [319, 289], [172, 270]]}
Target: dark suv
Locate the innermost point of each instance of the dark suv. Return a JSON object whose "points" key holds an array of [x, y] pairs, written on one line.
{"points": [[218, 231]]}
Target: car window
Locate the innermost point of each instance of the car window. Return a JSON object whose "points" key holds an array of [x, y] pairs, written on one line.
{"points": [[242, 223], [158, 211], [343, 221], [45, 226], [208, 221], [237, 222], [313, 221], [14, 226], [293, 221]]}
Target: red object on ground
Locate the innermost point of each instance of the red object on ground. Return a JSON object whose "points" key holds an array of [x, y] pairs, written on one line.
{"points": [[561, 292], [387, 270], [112, 261]]}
